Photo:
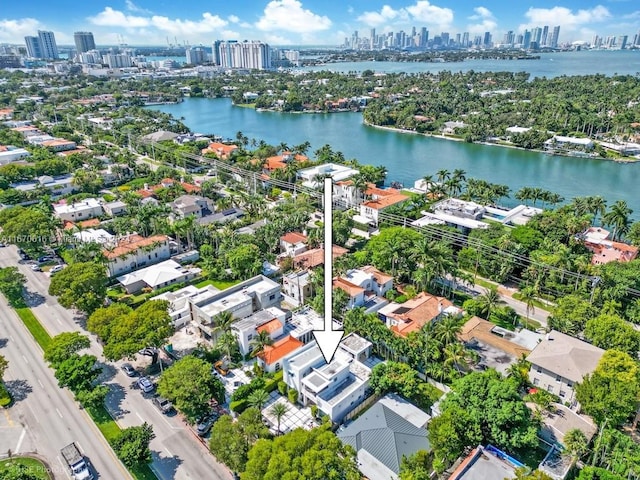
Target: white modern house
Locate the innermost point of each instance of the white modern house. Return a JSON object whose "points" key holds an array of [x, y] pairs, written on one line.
{"points": [[95, 235], [156, 276], [296, 287], [179, 306], [56, 186], [78, 211], [337, 172], [336, 387], [135, 251], [240, 300], [9, 154], [271, 320]]}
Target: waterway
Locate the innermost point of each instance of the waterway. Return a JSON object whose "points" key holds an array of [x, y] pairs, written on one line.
{"points": [[607, 62], [409, 157]]}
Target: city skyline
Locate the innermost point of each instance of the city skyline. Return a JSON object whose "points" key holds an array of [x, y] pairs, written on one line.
{"points": [[295, 22]]}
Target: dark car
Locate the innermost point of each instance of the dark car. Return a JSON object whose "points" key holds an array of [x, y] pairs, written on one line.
{"points": [[129, 370], [164, 405], [205, 423]]}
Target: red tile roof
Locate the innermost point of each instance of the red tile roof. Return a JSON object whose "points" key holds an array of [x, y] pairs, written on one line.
{"points": [[280, 349], [315, 257], [269, 327], [349, 288], [220, 149], [131, 244], [293, 238], [422, 309], [280, 161]]}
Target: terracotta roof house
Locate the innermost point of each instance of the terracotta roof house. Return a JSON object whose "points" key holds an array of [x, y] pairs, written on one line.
{"points": [[272, 356], [222, 150], [313, 258], [413, 314], [280, 161], [135, 251], [560, 361], [292, 244], [381, 199]]}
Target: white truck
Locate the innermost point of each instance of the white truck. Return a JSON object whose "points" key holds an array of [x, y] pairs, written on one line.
{"points": [[76, 462]]}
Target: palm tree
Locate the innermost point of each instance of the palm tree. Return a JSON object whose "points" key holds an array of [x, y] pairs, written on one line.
{"points": [[279, 410], [223, 322], [528, 296], [258, 398], [443, 175], [359, 184], [596, 205], [446, 330], [618, 218], [259, 342], [520, 371], [575, 443], [455, 355], [489, 301]]}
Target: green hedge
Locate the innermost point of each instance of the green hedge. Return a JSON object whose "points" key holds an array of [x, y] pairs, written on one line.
{"points": [[239, 406]]}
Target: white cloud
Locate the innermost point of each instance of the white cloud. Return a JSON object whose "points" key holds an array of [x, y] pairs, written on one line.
{"points": [[422, 11], [132, 7], [430, 14], [385, 15], [208, 23], [290, 16], [274, 39], [570, 21], [115, 18], [13, 30], [233, 19], [484, 21]]}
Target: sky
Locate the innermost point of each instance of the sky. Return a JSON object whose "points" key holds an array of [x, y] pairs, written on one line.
{"points": [[300, 22]]}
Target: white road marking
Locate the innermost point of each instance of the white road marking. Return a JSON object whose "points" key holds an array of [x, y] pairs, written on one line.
{"points": [[11, 337], [20, 440], [41, 384], [59, 413], [140, 417], [25, 359], [170, 454]]}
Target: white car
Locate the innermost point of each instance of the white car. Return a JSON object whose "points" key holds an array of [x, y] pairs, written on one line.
{"points": [[146, 385], [56, 269]]}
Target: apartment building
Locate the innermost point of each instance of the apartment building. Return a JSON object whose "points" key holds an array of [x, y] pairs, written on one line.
{"points": [[135, 251]]}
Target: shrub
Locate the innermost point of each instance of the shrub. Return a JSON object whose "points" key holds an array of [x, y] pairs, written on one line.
{"points": [[239, 406], [314, 411], [243, 392], [5, 396], [282, 387], [292, 395]]}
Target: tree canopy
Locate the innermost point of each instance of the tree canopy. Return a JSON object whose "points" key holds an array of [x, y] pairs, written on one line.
{"points": [[124, 331], [82, 286], [132, 445], [188, 383], [63, 345], [315, 454], [610, 393]]}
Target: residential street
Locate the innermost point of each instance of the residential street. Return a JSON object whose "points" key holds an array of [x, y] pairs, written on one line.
{"points": [[177, 453]]}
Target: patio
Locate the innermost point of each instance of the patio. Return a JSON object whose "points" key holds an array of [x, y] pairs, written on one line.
{"points": [[296, 416]]}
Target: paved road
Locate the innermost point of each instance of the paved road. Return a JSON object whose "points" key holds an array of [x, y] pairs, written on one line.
{"points": [[177, 453], [45, 418]]}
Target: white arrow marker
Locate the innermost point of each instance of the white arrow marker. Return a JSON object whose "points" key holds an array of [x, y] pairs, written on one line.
{"points": [[328, 339]]}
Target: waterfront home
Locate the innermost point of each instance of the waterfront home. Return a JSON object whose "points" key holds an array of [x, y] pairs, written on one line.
{"points": [[311, 177], [560, 361], [560, 142], [380, 199], [281, 161], [596, 239], [221, 150]]}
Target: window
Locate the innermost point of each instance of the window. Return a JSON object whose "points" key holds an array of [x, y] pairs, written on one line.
{"points": [[536, 381], [570, 384], [278, 367], [272, 296], [538, 369], [149, 256], [558, 378], [550, 388], [250, 336], [562, 394]]}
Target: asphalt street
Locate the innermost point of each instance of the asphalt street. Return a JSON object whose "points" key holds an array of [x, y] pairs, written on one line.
{"points": [[177, 452], [45, 418]]}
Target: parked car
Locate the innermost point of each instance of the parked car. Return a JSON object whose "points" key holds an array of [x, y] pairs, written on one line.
{"points": [[164, 405], [2, 245], [146, 385], [205, 423], [56, 269], [129, 370], [36, 268], [45, 259]]}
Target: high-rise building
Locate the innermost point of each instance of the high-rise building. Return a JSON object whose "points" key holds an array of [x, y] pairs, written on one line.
{"points": [[84, 41], [196, 55], [34, 50], [293, 56], [445, 39], [487, 39], [117, 60], [465, 39], [554, 37], [48, 45], [622, 41], [215, 53], [252, 55], [637, 42], [372, 39], [526, 40], [536, 35], [508, 38], [424, 36], [545, 35]]}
